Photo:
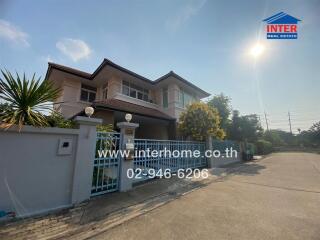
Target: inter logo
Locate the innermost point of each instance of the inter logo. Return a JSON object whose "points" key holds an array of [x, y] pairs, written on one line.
{"points": [[282, 26]]}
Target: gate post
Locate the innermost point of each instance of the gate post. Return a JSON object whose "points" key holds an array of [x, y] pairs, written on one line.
{"points": [[210, 160], [127, 131], [85, 151]]}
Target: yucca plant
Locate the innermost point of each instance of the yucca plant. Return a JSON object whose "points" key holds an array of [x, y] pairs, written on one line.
{"points": [[26, 100]]}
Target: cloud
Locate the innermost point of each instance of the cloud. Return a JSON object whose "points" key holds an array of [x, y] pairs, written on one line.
{"points": [[184, 14], [46, 58], [12, 33], [49, 58], [75, 49]]}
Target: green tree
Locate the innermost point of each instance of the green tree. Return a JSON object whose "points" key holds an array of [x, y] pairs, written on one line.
{"points": [[274, 137], [222, 104], [244, 128], [199, 121], [314, 132], [26, 100]]}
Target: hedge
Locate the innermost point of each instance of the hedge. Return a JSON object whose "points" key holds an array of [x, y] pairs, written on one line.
{"points": [[264, 147]]}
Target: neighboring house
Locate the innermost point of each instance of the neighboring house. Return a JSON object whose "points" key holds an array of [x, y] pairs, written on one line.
{"points": [[113, 91]]}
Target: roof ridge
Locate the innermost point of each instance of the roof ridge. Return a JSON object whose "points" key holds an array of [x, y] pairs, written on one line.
{"points": [[67, 68]]}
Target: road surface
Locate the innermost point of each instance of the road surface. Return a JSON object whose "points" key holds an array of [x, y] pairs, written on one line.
{"points": [[275, 198]]}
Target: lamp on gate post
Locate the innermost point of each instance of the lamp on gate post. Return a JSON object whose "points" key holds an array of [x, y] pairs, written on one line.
{"points": [[128, 117], [89, 111]]}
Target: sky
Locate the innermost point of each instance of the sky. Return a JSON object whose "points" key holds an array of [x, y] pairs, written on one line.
{"points": [[206, 42]]}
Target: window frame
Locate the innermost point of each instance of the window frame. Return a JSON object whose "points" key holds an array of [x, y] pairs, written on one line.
{"points": [[165, 100], [134, 90], [185, 98], [88, 90], [105, 91]]}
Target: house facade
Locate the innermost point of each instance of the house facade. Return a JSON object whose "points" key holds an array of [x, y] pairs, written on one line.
{"points": [[114, 91]]}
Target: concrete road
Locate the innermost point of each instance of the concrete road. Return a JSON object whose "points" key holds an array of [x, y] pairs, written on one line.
{"points": [[275, 198]]}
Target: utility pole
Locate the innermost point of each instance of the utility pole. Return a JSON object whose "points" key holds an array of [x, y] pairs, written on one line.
{"points": [[265, 116], [290, 122]]}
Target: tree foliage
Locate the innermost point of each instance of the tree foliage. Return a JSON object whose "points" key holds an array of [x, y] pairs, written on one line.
{"points": [[26, 100], [315, 131], [311, 137], [199, 121], [244, 128], [55, 119], [222, 103], [264, 147], [105, 128], [279, 137]]}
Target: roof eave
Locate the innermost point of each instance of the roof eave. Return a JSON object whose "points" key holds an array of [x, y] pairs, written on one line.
{"points": [[106, 107], [171, 73]]}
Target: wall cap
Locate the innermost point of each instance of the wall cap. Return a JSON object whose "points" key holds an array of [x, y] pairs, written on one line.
{"points": [[88, 121], [41, 130], [127, 125]]}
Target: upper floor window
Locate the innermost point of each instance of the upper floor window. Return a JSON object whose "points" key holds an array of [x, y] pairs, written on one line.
{"points": [[165, 97], [185, 99], [135, 91], [105, 91], [88, 93]]}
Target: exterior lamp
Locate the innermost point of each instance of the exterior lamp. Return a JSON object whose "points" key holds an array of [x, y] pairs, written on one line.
{"points": [[128, 117], [89, 111]]}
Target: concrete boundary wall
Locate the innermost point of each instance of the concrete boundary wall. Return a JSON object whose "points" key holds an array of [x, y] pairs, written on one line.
{"points": [[215, 162], [43, 169], [223, 160]]}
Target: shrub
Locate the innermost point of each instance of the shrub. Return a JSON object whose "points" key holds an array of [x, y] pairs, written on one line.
{"points": [[55, 119], [199, 121], [264, 147], [105, 128]]}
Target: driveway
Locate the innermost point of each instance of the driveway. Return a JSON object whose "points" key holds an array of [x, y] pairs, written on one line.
{"points": [[275, 198]]}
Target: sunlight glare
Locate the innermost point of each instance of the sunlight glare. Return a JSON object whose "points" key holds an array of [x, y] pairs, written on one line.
{"points": [[257, 50]]}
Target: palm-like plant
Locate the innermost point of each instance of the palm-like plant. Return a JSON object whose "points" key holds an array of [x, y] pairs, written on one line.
{"points": [[26, 100]]}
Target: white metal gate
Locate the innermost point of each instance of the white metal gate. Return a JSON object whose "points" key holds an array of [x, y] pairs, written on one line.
{"points": [[106, 166], [165, 162]]}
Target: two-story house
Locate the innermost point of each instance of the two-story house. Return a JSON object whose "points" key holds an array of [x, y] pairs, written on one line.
{"points": [[114, 91]]}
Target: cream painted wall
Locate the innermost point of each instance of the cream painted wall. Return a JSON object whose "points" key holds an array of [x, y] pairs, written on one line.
{"points": [[114, 87], [72, 105], [69, 101], [173, 108]]}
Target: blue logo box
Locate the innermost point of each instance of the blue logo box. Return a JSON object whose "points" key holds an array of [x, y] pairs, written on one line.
{"points": [[282, 35]]}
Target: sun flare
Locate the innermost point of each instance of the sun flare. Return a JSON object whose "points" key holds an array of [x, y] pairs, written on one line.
{"points": [[257, 50]]}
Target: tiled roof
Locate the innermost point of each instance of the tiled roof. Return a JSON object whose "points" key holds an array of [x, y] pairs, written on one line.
{"points": [[70, 70], [106, 62], [119, 105]]}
